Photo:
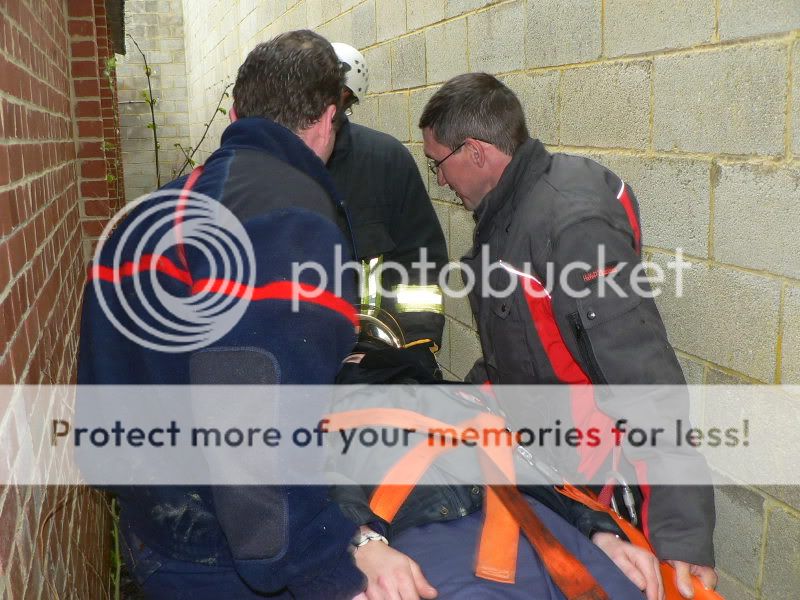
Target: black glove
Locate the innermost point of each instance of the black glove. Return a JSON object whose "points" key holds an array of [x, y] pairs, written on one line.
{"points": [[423, 352], [385, 365]]}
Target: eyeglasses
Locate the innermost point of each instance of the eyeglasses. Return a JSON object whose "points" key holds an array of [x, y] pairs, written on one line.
{"points": [[433, 165]]}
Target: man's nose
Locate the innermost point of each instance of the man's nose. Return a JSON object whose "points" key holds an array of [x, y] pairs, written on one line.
{"points": [[440, 178]]}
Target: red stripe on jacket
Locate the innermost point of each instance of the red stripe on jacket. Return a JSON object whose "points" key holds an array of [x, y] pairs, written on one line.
{"points": [[148, 262], [624, 198], [277, 290], [585, 413]]}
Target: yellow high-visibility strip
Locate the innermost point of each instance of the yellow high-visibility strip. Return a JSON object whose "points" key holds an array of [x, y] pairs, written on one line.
{"points": [[419, 298], [370, 290]]}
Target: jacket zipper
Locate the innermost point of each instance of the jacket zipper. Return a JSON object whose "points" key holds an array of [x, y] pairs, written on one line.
{"points": [[587, 353]]}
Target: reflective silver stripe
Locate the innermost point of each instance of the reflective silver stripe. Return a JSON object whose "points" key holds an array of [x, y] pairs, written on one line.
{"points": [[419, 298], [370, 290], [519, 273]]}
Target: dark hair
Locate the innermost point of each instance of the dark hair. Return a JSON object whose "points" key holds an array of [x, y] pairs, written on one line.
{"points": [[290, 79], [476, 105]]}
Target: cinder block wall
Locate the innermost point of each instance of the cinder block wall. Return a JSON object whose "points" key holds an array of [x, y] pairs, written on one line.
{"points": [[695, 102], [157, 27]]}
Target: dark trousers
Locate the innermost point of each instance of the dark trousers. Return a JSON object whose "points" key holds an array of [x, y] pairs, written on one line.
{"points": [[163, 578], [446, 553]]}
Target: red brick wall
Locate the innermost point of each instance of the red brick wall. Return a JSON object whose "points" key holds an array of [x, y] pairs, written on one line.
{"points": [[96, 118], [60, 179]]}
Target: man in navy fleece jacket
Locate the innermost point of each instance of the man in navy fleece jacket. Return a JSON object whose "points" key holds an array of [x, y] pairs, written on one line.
{"points": [[237, 542]]}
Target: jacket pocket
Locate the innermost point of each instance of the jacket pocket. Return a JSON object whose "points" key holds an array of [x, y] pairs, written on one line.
{"points": [[513, 351], [602, 329], [596, 310]]}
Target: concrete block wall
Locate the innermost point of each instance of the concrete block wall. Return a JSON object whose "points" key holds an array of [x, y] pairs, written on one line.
{"points": [[157, 26], [695, 102]]}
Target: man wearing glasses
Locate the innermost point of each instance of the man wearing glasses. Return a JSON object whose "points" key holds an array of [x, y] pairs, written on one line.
{"points": [[538, 216]]}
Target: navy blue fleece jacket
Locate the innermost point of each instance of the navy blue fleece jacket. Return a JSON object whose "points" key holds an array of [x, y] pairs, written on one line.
{"points": [[278, 539]]}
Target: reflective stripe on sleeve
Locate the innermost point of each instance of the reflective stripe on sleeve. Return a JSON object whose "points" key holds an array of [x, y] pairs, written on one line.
{"points": [[419, 298], [370, 290]]}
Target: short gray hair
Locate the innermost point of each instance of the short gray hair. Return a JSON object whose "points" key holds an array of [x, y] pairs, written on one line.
{"points": [[479, 106]]}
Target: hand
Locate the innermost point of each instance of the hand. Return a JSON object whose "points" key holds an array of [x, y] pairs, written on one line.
{"points": [[683, 577], [638, 565], [391, 575]]}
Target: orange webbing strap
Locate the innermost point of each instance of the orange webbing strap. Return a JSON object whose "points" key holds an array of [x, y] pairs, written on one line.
{"points": [[567, 572], [497, 554], [385, 417], [389, 497], [499, 541], [404, 475], [505, 508], [637, 538]]}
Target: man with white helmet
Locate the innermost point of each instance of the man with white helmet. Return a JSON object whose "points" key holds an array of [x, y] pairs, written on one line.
{"points": [[392, 219], [355, 66]]}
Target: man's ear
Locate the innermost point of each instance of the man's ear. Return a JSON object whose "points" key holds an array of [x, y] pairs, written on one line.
{"points": [[328, 119], [477, 153]]}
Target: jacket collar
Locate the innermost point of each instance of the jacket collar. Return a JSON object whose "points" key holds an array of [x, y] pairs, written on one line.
{"points": [[257, 133], [529, 162], [344, 140]]}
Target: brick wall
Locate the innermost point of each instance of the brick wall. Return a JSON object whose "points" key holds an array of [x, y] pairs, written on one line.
{"points": [[158, 29], [696, 103], [59, 181], [96, 118]]}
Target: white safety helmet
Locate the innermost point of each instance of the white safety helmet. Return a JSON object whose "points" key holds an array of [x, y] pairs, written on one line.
{"points": [[357, 74]]}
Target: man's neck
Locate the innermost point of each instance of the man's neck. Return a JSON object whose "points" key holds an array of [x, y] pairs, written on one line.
{"points": [[497, 163]]}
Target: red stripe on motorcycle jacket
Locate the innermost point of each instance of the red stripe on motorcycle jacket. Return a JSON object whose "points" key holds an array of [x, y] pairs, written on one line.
{"points": [[624, 198], [585, 413]]}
